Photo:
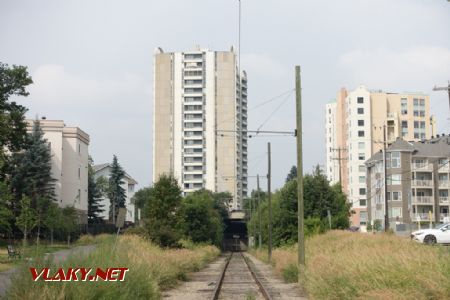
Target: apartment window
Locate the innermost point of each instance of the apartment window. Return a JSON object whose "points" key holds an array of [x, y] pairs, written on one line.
{"points": [[362, 202], [360, 110], [193, 56], [362, 179], [395, 160], [394, 179], [443, 161], [360, 122], [193, 73], [361, 145], [404, 104], [396, 196], [396, 212], [361, 133], [193, 99], [404, 128], [192, 107], [362, 191], [193, 81], [362, 156], [362, 169], [360, 100], [362, 217], [193, 90], [329, 110], [193, 116], [79, 148], [131, 188], [79, 172], [79, 195], [388, 196]]}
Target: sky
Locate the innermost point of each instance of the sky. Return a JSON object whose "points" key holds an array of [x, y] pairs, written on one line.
{"points": [[92, 64]]}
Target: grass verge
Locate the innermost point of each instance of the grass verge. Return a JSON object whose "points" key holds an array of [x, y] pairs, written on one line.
{"points": [[343, 265], [151, 270]]}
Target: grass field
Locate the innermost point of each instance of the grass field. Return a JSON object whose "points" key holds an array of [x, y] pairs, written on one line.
{"points": [[344, 265], [151, 270]]}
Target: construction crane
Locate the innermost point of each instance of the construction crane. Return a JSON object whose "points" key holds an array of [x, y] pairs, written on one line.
{"points": [[446, 88]]}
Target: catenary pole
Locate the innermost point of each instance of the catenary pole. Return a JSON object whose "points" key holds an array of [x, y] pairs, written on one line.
{"points": [[301, 237], [269, 175]]}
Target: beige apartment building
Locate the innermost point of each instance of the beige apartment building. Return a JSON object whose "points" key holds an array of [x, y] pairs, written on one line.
{"points": [[69, 150], [355, 131], [200, 121]]}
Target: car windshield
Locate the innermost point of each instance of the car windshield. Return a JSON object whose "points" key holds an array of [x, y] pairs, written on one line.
{"points": [[441, 225]]}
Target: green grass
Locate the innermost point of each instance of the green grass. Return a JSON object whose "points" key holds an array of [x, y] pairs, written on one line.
{"points": [[344, 265], [151, 270]]}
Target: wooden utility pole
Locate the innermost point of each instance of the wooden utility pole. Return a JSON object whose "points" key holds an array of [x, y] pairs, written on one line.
{"points": [[386, 211], [259, 211], [301, 237], [339, 159], [269, 175]]}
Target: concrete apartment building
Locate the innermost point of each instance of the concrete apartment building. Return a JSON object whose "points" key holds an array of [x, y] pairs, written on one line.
{"points": [[417, 182], [129, 185], [356, 133], [199, 113], [69, 150]]}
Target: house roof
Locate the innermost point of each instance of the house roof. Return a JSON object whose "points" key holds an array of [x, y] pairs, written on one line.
{"points": [[436, 147], [99, 167]]}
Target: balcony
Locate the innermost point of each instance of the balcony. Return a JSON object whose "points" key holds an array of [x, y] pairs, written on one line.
{"points": [[444, 200], [423, 216], [422, 183], [421, 166], [444, 183], [444, 217], [427, 200]]}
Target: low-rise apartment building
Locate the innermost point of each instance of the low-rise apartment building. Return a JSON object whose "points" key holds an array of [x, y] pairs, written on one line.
{"points": [[417, 182], [129, 184], [69, 151]]}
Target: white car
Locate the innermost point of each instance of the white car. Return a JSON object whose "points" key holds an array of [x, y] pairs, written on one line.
{"points": [[440, 234]]}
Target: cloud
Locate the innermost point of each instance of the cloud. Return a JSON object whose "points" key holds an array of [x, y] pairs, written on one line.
{"points": [[410, 68]]}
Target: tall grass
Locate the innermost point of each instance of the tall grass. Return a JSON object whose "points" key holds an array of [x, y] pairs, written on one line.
{"points": [[151, 270], [343, 265]]}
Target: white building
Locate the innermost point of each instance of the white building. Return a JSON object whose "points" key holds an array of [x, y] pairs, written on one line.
{"points": [[133, 214], [199, 113], [69, 150]]}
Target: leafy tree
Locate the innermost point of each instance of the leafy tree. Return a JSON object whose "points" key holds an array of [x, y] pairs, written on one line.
{"points": [[292, 174], [5, 213], [116, 193], [69, 221], [13, 81], [32, 175], [161, 211], [42, 205], [221, 203], [53, 219], [139, 199], [26, 221], [199, 220], [94, 196]]}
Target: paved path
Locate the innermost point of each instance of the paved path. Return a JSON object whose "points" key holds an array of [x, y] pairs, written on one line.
{"points": [[201, 284], [59, 256]]}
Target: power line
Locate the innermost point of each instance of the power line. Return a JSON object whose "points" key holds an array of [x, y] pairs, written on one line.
{"points": [[275, 110]]}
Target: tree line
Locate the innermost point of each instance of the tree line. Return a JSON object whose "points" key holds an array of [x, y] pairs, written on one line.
{"points": [[319, 198]]}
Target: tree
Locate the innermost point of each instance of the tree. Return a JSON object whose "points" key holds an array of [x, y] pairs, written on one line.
{"points": [[53, 219], [139, 199], [5, 213], [32, 175], [116, 193], [94, 196], [199, 220], [292, 174], [13, 81], [42, 205], [69, 221], [161, 211], [26, 221]]}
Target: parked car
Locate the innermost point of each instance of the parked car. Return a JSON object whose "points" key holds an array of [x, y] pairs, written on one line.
{"points": [[440, 234]]}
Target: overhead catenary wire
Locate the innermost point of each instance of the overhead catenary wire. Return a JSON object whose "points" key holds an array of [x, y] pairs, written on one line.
{"points": [[275, 110]]}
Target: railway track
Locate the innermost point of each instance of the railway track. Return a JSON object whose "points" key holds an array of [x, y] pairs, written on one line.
{"points": [[238, 280]]}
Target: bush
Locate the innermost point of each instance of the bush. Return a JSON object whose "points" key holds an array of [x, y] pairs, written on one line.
{"points": [[290, 273]]}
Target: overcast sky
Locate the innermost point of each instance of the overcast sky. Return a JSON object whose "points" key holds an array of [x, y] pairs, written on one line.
{"points": [[92, 63]]}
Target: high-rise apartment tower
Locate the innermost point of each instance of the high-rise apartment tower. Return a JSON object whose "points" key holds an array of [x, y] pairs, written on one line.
{"points": [[200, 121]]}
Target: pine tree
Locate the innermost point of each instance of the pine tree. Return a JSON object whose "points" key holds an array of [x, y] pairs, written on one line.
{"points": [[116, 193], [292, 174], [94, 197], [5, 212], [32, 174]]}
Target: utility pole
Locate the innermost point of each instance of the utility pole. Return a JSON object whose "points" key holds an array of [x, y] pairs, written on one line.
{"points": [[447, 88], [259, 210], [339, 159], [269, 175], [386, 211], [300, 207]]}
